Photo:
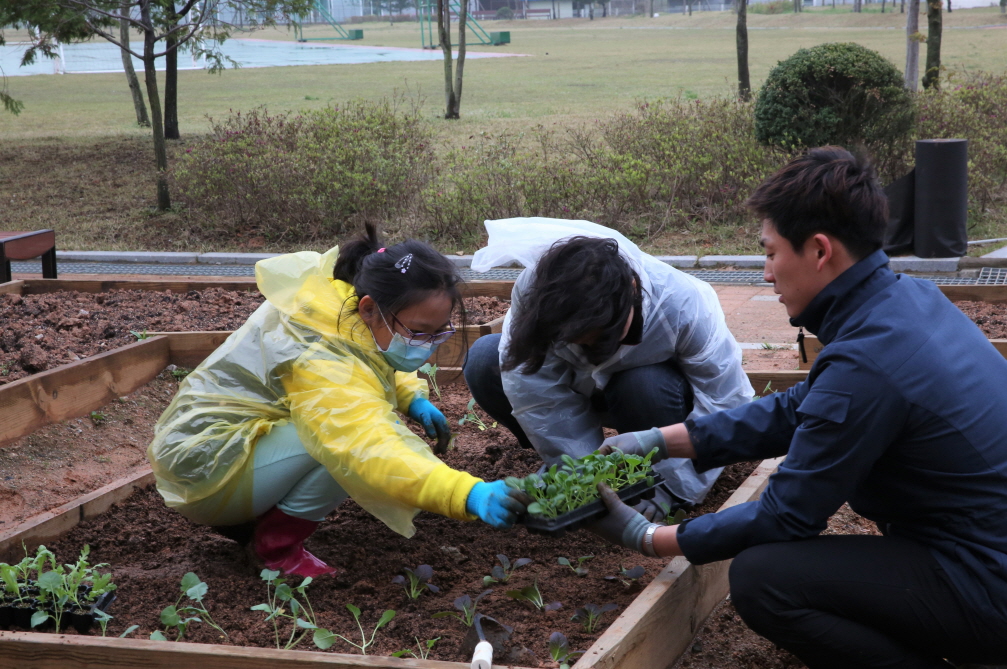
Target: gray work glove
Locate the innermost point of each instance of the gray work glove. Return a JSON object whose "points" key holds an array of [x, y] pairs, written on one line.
{"points": [[622, 525], [637, 443], [660, 506]]}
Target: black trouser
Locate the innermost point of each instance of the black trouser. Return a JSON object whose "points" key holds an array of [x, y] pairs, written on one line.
{"points": [[847, 602]]}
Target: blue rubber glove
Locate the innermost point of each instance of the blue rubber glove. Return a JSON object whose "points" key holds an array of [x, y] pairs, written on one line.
{"points": [[496, 504], [433, 421]]}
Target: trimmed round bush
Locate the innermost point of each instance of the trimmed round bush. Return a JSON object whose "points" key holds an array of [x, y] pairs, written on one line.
{"points": [[841, 94], [505, 14]]}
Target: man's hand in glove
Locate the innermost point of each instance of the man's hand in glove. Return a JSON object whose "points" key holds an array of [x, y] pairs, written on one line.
{"points": [[637, 443], [622, 525], [433, 421], [497, 504]]}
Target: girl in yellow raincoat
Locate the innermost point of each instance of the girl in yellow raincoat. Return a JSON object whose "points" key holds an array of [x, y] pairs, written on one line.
{"points": [[296, 411]]}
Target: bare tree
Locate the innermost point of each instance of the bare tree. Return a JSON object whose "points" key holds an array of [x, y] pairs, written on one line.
{"points": [[452, 84], [744, 81], [139, 106], [913, 45], [932, 75]]}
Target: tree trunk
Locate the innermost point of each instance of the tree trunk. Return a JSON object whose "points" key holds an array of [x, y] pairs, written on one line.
{"points": [[949, 6], [902, 8], [932, 75], [460, 65], [883, 6], [1003, 6], [444, 35], [171, 77], [150, 78], [127, 66], [912, 73], [744, 82]]}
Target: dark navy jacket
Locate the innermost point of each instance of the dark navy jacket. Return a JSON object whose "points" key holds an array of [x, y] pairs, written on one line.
{"points": [[903, 415]]}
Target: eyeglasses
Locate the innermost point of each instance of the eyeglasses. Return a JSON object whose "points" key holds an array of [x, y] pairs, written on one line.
{"points": [[420, 338]]}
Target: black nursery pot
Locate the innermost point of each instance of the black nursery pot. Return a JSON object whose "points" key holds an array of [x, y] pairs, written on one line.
{"points": [[590, 512], [21, 614], [83, 620], [6, 615]]}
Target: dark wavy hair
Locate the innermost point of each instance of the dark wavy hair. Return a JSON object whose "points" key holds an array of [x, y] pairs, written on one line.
{"points": [[828, 190], [582, 287], [381, 275]]}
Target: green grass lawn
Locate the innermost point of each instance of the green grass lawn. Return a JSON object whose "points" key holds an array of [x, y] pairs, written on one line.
{"points": [[571, 72]]}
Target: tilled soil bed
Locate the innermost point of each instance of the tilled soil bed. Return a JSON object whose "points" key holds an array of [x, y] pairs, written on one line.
{"points": [[150, 548], [991, 318], [39, 332]]}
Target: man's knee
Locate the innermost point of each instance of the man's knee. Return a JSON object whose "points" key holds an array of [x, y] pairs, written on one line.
{"points": [[483, 357], [756, 583]]}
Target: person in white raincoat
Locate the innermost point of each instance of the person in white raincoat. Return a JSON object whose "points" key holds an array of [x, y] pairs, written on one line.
{"points": [[601, 334]]}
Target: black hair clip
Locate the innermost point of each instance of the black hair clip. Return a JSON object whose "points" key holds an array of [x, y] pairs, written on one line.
{"points": [[404, 262]]}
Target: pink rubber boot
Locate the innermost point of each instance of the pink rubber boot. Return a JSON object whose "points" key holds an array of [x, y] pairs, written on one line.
{"points": [[279, 542]]}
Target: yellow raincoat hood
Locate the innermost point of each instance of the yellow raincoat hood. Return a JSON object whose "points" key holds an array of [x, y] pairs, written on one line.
{"points": [[303, 356]]}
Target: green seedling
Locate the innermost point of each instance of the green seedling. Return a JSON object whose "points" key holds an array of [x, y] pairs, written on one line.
{"points": [[63, 586], [416, 581], [672, 518], [140, 336], [98, 418], [103, 618], [559, 650], [574, 483], [501, 573], [768, 389], [430, 370], [590, 615], [285, 602], [424, 649], [386, 618], [533, 596], [628, 576], [472, 417], [180, 617], [467, 606], [180, 373], [579, 569]]}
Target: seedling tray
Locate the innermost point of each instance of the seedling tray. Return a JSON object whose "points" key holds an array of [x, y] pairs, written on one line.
{"points": [[590, 512], [19, 615]]}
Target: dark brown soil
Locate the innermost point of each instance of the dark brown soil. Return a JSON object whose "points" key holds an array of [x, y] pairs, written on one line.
{"points": [[991, 318], [150, 548], [39, 332], [725, 641], [480, 310]]}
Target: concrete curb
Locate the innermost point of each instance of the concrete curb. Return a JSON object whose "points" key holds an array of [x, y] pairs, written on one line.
{"points": [[749, 262]]}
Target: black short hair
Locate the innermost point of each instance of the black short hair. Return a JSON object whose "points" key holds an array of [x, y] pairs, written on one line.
{"points": [[582, 286], [398, 276], [828, 190]]}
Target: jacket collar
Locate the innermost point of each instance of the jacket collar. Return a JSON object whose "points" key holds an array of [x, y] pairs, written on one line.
{"points": [[828, 310]]}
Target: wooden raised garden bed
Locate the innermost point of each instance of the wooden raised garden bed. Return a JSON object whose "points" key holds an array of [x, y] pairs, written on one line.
{"points": [[652, 631]]}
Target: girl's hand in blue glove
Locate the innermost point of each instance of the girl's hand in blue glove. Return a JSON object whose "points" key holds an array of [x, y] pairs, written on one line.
{"points": [[433, 421], [496, 504]]}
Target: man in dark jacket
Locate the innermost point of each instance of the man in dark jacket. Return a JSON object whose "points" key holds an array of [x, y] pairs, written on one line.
{"points": [[903, 415]]}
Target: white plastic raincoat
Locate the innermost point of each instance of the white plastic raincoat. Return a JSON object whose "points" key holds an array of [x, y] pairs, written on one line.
{"points": [[683, 321], [301, 357]]}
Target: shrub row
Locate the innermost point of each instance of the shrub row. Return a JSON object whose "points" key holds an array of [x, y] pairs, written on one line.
{"points": [[664, 165]]}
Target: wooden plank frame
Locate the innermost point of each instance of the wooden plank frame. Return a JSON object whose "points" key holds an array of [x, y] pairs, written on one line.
{"points": [[653, 631]]}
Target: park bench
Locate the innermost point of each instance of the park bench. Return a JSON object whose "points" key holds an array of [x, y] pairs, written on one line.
{"points": [[538, 13], [25, 246]]}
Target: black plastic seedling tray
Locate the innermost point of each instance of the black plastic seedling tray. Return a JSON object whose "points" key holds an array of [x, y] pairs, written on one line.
{"points": [[590, 512], [19, 615]]}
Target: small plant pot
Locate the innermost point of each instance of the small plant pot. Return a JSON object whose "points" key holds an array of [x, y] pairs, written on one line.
{"points": [[590, 512], [6, 615], [83, 620], [21, 614]]}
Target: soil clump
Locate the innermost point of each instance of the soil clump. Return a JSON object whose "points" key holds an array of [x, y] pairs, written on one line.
{"points": [[482, 310], [991, 318]]}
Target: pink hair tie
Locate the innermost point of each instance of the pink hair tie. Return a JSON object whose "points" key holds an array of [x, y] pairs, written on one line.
{"points": [[381, 250]]}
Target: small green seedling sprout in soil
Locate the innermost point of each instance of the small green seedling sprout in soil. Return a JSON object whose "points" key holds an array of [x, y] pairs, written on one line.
{"points": [[574, 483], [180, 617], [423, 647], [416, 581], [140, 336], [590, 615], [430, 370], [672, 518], [180, 373], [472, 417], [501, 573], [533, 596], [467, 606], [103, 618], [98, 418], [628, 576], [579, 569], [559, 650], [364, 644], [284, 601]]}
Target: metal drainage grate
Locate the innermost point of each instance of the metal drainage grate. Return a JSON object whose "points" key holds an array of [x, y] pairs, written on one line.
{"points": [[498, 274], [67, 267], [992, 276]]}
